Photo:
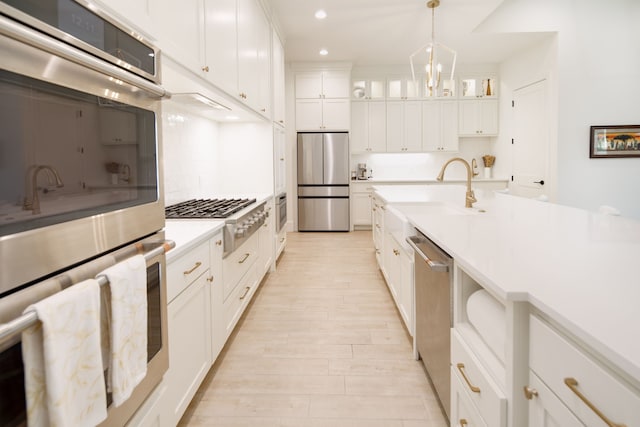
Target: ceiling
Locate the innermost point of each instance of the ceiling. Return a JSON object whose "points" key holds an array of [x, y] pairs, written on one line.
{"points": [[386, 32]]}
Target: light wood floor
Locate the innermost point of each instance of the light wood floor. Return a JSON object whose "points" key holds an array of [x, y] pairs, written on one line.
{"points": [[322, 345]]}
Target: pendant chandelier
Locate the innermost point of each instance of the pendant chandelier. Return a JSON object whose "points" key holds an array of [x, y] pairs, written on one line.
{"points": [[437, 61]]}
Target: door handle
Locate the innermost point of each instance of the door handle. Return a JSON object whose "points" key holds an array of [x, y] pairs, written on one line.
{"points": [[541, 182]]}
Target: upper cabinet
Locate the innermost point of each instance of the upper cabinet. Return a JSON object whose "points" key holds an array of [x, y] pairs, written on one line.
{"points": [[402, 88], [227, 42], [478, 117], [322, 84], [485, 86], [278, 68], [367, 89], [322, 100]]}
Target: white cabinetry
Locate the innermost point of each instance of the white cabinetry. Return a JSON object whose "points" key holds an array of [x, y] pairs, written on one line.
{"points": [[218, 333], [368, 127], [363, 89], [377, 215], [440, 126], [582, 385], [279, 160], [478, 118], [266, 244], [189, 310], [278, 67], [404, 126], [361, 205], [322, 100], [224, 41], [485, 86], [402, 88], [117, 127]]}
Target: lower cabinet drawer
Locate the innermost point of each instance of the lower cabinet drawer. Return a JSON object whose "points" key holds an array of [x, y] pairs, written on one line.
{"points": [[486, 396], [588, 389], [181, 272], [463, 412], [545, 409], [238, 263], [237, 301]]}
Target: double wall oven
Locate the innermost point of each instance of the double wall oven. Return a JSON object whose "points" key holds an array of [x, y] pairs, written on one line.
{"points": [[80, 171]]}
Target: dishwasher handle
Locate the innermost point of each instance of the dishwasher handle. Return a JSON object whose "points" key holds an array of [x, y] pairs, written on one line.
{"points": [[436, 266]]}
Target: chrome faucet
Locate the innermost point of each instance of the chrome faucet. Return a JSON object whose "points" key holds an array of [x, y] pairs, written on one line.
{"points": [[470, 198], [33, 203]]}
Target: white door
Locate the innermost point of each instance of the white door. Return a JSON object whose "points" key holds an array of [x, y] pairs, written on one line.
{"points": [[530, 141]]}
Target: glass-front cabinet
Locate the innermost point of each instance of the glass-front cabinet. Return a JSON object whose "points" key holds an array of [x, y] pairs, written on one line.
{"points": [[485, 86], [402, 88], [363, 89]]}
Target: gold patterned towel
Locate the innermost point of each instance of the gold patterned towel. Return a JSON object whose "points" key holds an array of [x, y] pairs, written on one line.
{"points": [[128, 358], [64, 380]]}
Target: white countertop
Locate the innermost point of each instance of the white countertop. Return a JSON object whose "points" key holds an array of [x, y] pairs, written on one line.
{"points": [[433, 180], [188, 233], [578, 267]]}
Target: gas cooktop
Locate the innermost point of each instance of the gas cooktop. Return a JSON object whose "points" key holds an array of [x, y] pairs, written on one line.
{"points": [[207, 208]]}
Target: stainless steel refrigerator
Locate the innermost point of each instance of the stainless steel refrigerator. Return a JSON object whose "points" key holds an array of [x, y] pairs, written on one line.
{"points": [[323, 181]]}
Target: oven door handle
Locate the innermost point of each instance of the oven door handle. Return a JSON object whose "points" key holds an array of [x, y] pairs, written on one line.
{"points": [[433, 265], [34, 38]]}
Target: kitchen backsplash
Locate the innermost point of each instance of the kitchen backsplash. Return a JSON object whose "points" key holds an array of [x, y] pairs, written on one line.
{"points": [[424, 166]]}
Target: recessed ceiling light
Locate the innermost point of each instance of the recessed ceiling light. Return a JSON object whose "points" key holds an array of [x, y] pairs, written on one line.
{"points": [[320, 14], [324, 52]]}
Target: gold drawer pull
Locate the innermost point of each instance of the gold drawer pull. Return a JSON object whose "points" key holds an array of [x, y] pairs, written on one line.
{"points": [[246, 291], [243, 259], [396, 252], [198, 264], [463, 422], [473, 388], [530, 393], [218, 242], [572, 383]]}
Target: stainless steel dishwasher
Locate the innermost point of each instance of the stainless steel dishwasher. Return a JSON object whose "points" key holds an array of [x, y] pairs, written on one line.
{"points": [[434, 317]]}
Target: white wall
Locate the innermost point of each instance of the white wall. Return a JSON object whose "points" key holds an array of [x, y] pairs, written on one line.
{"points": [[597, 84]]}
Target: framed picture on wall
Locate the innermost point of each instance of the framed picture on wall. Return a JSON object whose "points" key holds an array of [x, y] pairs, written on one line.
{"points": [[614, 141]]}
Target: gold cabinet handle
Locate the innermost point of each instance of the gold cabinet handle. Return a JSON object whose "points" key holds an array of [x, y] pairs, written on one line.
{"points": [[244, 259], [246, 291], [218, 242], [463, 422], [205, 68], [210, 279], [396, 252], [282, 240], [572, 383], [530, 392], [473, 388], [198, 264]]}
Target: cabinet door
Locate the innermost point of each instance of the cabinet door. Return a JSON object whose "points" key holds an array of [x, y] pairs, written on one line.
{"points": [[545, 409], [278, 80], [361, 210], [308, 85], [406, 293], [488, 113], [335, 84], [336, 114], [280, 160], [221, 67], [377, 127], [262, 32], [468, 118], [308, 114], [189, 327], [135, 13], [266, 241], [449, 126], [431, 126], [248, 28], [412, 124], [216, 285], [359, 136], [395, 126], [182, 39]]}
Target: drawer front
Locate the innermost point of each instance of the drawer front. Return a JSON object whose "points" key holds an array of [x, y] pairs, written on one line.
{"points": [[463, 412], [482, 390], [181, 272], [577, 379], [238, 263], [545, 409], [238, 300]]}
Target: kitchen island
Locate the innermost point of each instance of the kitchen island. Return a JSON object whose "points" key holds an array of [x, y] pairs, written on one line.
{"points": [[566, 272]]}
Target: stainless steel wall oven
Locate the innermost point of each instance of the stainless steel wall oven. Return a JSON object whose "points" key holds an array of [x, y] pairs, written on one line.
{"points": [[80, 170]]}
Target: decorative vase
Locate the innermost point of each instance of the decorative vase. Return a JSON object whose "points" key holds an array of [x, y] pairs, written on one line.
{"points": [[488, 87]]}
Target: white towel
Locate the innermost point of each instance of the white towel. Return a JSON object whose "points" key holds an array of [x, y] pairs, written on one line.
{"points": [[128, 358], [64, 379], [487, 315]]}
